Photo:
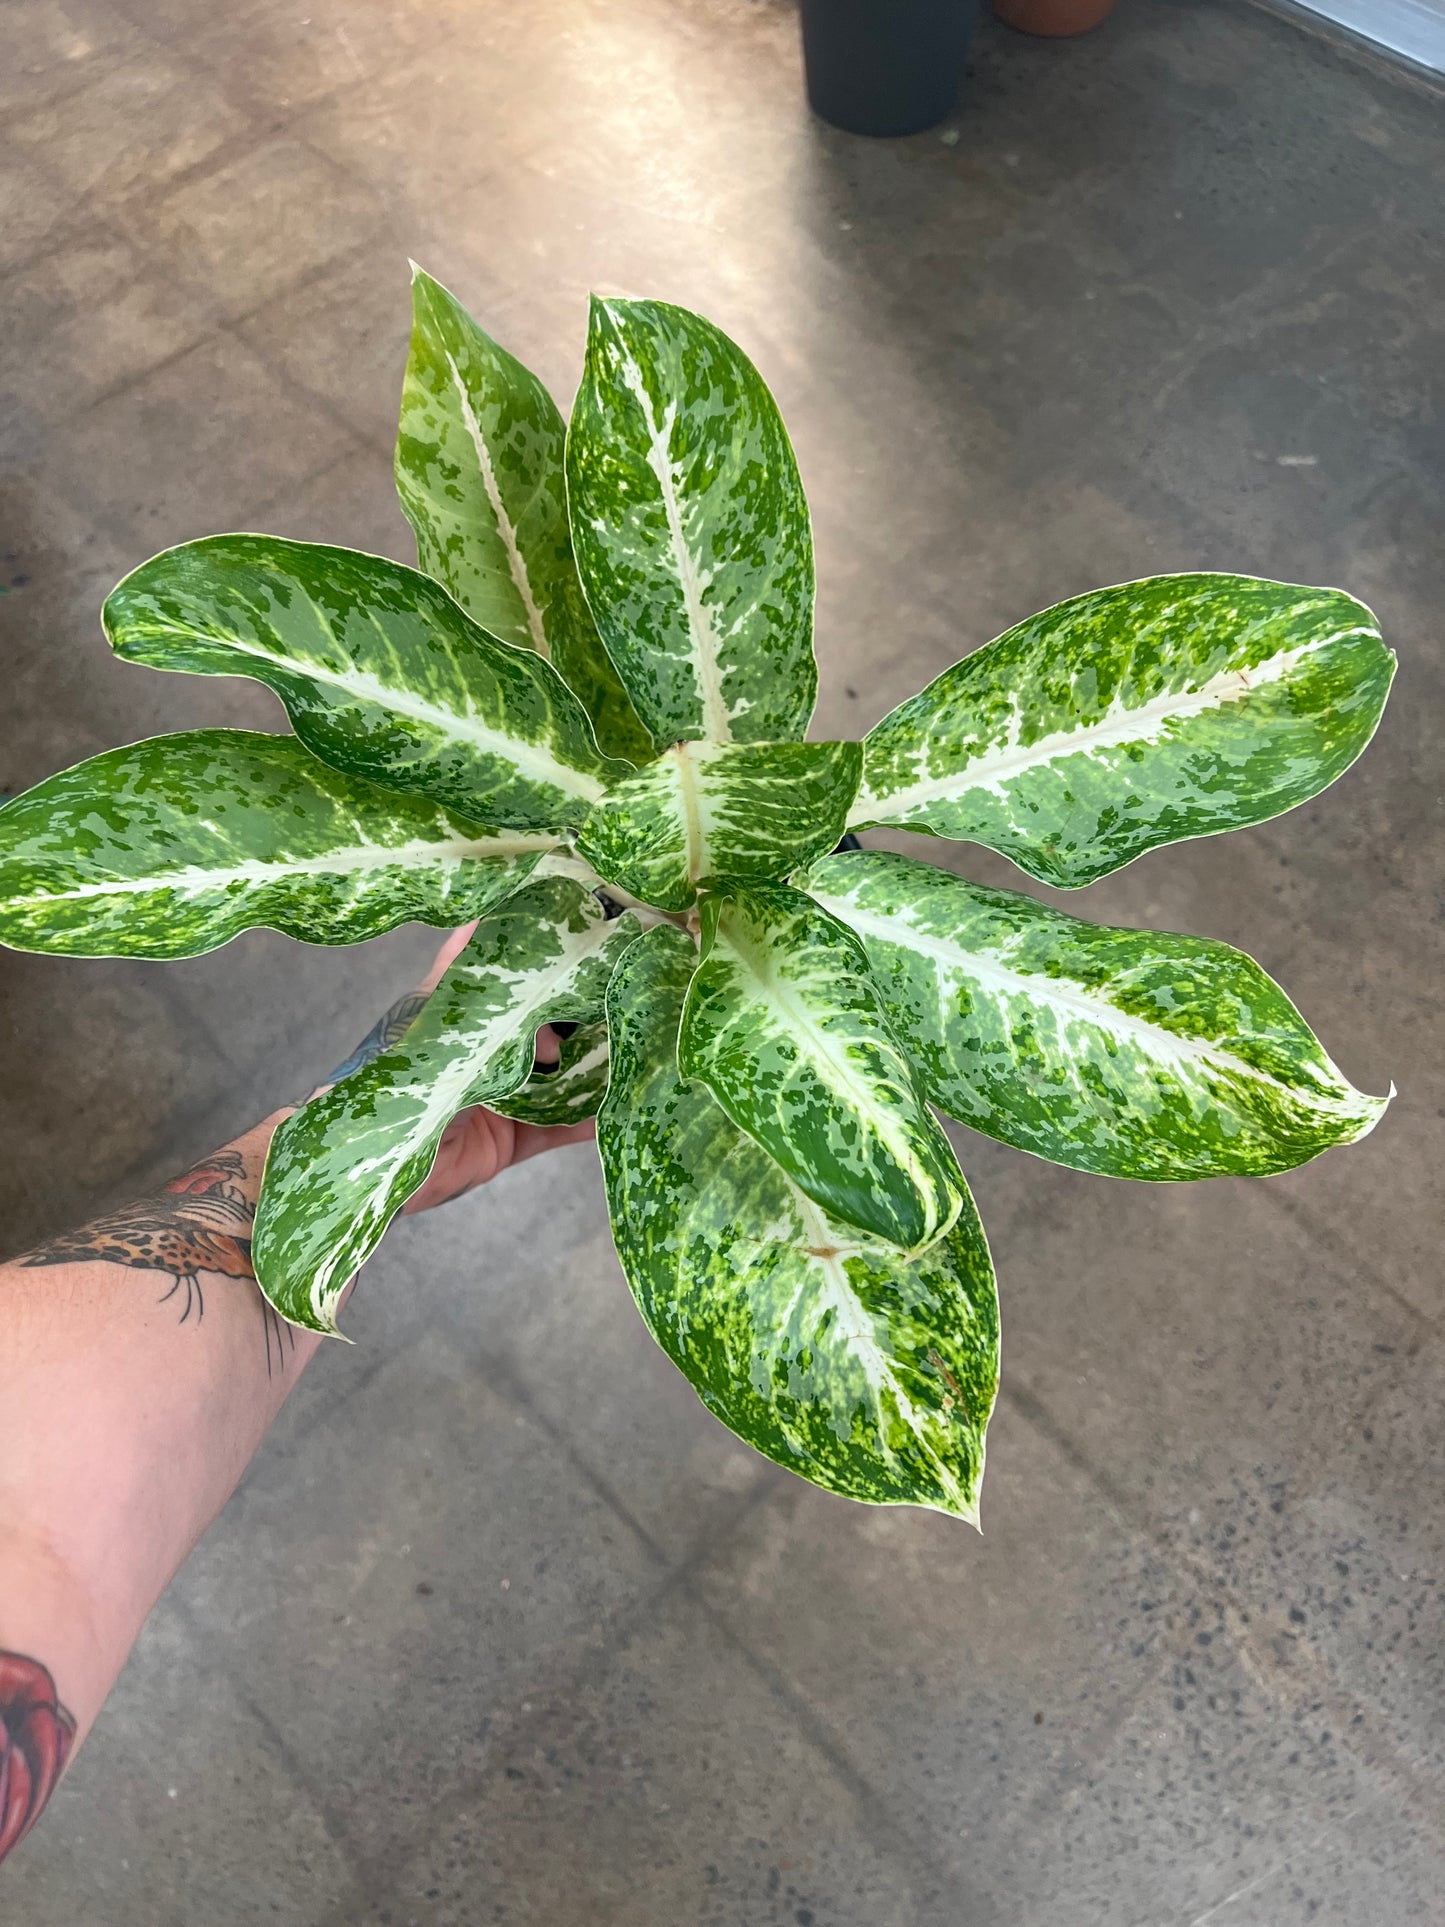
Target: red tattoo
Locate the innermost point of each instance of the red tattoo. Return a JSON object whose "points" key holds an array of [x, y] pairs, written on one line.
{"points": [[35, 1738]]}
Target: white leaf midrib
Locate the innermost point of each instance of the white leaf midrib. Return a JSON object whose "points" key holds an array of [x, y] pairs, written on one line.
{"points": [[582, 1068], [1162, 1047], [200, 880], [692, 793], [825, 1257], [995, 768], [445, 1092], [529, 758], [702, 631], [821, 1253], [516, 562], [833, 1067]]}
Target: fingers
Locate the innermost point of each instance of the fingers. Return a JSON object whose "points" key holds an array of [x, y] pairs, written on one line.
{"points": [[455, 944], [477, 1145], [532, 1139], [474, 1147], [549, 1046]]}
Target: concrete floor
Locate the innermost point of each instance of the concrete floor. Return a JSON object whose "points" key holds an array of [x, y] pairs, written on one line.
{"points": [[503, 1626]]}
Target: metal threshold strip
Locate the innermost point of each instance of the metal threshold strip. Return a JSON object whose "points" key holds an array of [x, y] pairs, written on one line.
{"points": [[1414, 30]]}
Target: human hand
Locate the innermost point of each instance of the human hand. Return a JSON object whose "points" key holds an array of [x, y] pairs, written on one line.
{"points": [[477, 1144]]}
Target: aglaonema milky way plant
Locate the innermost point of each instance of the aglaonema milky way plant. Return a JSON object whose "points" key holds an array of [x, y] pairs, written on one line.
{"points": [[582, 721]]}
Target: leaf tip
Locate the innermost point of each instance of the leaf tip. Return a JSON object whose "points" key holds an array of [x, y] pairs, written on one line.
{"points": [[1374, 1109], [956, 1505], [606, 311], [323, 1323], [425, 288]]}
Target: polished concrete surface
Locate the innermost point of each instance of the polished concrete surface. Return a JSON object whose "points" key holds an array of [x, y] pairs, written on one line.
{"points": [[502, 1626]]}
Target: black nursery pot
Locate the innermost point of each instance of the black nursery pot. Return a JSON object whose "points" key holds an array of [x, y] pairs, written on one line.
{"points": [[885, 66]]}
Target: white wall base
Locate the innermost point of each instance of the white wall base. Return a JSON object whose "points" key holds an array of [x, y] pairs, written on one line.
{"points": [[1414, 29]]}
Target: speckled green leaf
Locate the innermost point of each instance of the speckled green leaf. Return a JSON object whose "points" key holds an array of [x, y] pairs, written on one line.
{"points": [[690, 528], [341, 1168], [705, 812], [168, 848], [380, 671], [869, 1373], [479, 469], [784, 1026], [571, 1091], [1129, 1052], [1131, 717]]}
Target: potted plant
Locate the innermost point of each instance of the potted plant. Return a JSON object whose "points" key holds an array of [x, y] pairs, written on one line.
{"points": [[582, 722], [885, 66]]}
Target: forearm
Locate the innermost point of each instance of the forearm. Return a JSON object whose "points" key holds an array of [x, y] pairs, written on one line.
{"points": [[140, 1370]]}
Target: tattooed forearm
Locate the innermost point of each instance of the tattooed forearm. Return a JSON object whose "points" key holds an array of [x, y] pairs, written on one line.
{"points": [[200, 1223], [36, 1734], [388, 1029], [199, 1226]]}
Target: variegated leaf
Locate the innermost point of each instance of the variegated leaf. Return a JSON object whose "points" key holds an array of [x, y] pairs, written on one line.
{"points": [[1130, 717], [1129, 1052], [571, 1090], [340, 1169], [869, 1373], [690, 528], [479, 469], [706, 812], [381, 673], [784, 1026], [168, 848]]}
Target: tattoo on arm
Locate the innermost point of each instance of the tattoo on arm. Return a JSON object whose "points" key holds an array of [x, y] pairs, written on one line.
{"points": [[199, 1223], [36, 1734], [198, 1226], [388, 1029]]}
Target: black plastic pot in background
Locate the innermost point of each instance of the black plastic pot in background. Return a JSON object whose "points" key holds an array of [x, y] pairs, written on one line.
{"points": [[885, 66]]}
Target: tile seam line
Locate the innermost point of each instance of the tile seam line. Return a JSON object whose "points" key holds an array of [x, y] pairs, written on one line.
{"points": [[621, 1627], [118, 532], [184, 53], [76, 71], [75, 418], [148, 186], [188, 53], [1403, 1776], [297, 391], [619, 1631], [894, 1835], [220, 321], [60, 240], [276, 1740], [682, 1574], [511, 1386], [1336, 1248], [335, 264]]}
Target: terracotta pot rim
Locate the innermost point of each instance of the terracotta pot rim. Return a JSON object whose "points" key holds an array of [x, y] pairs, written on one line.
{"points": [[1052, 19]]}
